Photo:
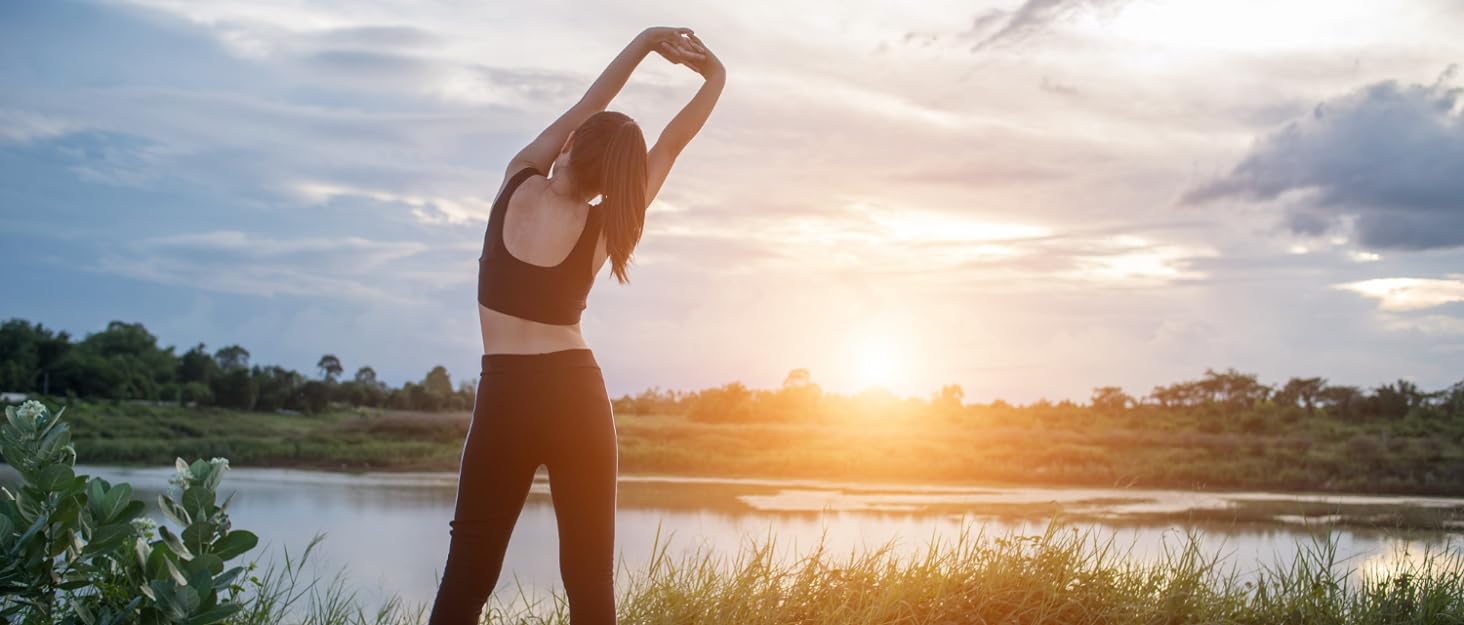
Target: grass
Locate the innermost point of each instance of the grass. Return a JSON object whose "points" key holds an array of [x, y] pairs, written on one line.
{"points": [[1163, 451], [1060, 577]]}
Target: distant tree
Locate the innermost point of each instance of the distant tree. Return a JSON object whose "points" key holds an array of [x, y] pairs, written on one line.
{"points": [[366, 376], [1394, 401], [88, 374], [726, 403], [195, 393], [314, 397], [463, 398], [652, 401], [419, 398], [438, 383], [363, 389], [330, 367], [951, 394], [29, 354], [50, 351], [949, 403], [232, 357], [121, 362], [797, 378], [1342, 402], [1110, 400], [235, 388], [1303, 391], [1232, 389], [196, 365], [1451, 401], [797, 400], [278, 388]]}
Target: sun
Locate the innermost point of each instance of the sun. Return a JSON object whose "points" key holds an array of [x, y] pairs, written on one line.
{"points": [[878, 361]]}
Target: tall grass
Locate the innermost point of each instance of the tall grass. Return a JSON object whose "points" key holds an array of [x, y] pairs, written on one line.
{"points": [[1063, 576]]}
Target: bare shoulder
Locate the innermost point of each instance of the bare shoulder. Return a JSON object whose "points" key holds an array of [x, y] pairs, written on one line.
{"points": [[534, 181]]}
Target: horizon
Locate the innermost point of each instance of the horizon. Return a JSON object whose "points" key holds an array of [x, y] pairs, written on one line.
{"points": [[1028, 199]]}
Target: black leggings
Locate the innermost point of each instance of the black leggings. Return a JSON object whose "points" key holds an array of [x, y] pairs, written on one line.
{"points": [[533, 409]]}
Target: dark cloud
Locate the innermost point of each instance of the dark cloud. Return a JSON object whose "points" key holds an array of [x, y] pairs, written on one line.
{"points": [[997, 27], [1386, 158]]}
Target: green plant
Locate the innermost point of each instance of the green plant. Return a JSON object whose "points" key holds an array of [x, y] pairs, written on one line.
{"points": [[78, 550]]}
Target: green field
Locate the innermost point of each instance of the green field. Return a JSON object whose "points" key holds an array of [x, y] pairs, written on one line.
{"points": [[1144, 448]]}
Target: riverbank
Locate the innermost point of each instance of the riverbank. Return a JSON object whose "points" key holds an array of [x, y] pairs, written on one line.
{"points": [[1308, 457]]}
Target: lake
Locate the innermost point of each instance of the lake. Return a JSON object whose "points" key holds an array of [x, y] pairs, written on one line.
{"points": [[390, 530]]}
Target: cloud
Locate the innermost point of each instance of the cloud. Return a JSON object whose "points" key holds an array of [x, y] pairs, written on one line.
{"points": [[230, 261], [18, 126], [997, 28], [1383, 161], [1403, 294]]}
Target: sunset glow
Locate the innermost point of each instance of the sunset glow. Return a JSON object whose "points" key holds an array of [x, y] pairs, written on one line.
{"points": [[879, 361], [1090, 178]]}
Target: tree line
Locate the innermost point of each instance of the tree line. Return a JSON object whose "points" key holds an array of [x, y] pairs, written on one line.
{"points": [[1218, 400], [125, 362]]}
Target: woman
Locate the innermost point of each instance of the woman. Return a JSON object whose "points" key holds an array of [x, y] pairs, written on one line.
{"points": [[541, 399]]}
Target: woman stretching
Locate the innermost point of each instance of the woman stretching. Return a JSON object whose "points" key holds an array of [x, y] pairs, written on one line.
{"points": [[541, 398]]}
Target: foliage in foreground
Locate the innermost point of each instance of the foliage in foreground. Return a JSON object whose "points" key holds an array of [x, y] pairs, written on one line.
{"points": [[77, 549]]}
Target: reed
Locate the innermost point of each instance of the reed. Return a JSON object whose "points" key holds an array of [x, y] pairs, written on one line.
{"points": [[1063, 576]]}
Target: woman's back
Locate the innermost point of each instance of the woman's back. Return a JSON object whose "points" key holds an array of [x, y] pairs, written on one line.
{"points": [[541, 251]]}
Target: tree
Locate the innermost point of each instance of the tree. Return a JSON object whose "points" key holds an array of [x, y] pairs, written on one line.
{"points": [[235, 388], [132, 352], [1236, 391], [1342, 402], [438, 383], [366, 376], [1451, 401], [232, 357], [364, 389], [797, 378], [278, 388], [29, 354], [50, 350], [314, 397], [728, 403], [949, 402], [330, 367], [1110, 399], [1305, 391], [195, 365]]}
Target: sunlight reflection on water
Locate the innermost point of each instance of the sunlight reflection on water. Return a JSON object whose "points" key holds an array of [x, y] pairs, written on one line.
{"points": [[389, 530]]}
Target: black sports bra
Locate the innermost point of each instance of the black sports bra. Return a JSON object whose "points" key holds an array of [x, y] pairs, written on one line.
{"points": [[554, 295]]}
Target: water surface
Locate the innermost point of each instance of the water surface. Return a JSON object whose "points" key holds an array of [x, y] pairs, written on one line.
{"points": [[390, 530]]}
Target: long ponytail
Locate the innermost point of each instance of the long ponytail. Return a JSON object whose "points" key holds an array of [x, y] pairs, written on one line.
{"points": [[609, 159]]}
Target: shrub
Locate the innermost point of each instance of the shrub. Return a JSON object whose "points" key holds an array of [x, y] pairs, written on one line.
{"points": [[76, 549]]}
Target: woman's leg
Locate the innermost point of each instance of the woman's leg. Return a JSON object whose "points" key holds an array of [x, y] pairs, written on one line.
{"points": [[498, 465], [582, 471]]}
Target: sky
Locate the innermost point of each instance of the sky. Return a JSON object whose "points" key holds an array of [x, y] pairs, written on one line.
{"points": [[1027, 198]]}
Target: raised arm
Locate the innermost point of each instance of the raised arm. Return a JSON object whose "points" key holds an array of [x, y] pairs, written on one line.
{"points": [[688, 122], [540, 153]]}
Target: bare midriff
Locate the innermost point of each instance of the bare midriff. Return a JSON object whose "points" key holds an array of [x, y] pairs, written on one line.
{"points": [[507, 334]]}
